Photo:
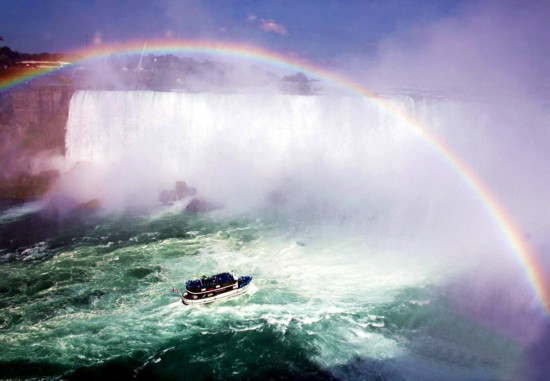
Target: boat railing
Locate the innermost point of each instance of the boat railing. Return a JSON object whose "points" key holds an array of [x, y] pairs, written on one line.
{"points": [[218, 287]]}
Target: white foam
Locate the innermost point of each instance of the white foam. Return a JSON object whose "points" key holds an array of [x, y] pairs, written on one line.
{"points": [[21, 210]]}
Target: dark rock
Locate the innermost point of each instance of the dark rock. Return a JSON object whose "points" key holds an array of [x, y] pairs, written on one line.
{"points": [[181, 191], [167, 196], [92, 204], [200, 205]]}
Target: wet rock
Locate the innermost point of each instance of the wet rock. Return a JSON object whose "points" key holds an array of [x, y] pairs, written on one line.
{"points": [[92, 204], [200, 205], [180, 191], [26, 186]]}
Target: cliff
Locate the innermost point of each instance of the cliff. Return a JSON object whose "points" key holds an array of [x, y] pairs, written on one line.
{"points": [[32, 121]]}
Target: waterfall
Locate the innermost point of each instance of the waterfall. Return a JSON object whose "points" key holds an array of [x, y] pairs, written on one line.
{"points": [[345, 151], [185, 130], [338, 157], [244, 142]]}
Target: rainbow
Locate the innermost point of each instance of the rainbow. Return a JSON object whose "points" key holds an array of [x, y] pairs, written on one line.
{"points": [[512, 233]]}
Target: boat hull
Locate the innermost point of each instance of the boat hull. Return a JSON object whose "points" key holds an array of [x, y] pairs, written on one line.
{"points": [[215, 298]]}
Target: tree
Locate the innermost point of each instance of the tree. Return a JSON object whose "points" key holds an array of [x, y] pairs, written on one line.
{"points": [[298, 83]]}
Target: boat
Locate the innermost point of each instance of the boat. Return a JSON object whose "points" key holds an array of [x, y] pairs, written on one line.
{"points": [[217, 287]]}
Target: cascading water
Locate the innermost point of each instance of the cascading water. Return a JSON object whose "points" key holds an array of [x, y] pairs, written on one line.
{"points": [[351, 260], [240, 144]]}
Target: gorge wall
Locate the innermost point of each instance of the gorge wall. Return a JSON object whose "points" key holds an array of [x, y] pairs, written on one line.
{"points": [[32, 121]]}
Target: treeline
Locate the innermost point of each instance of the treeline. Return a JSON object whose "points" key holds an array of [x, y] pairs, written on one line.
{"points": [[158, 72], [171, 72], [9, 57]]}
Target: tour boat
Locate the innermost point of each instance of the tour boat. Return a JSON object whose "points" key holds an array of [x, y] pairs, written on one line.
{"points": [[214, 288]]}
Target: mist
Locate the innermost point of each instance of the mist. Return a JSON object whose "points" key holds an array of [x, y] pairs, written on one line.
{"points": [[487, 72], [476, 81]]}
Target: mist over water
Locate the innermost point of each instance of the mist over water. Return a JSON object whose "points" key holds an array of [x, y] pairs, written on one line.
{"points": [[332, 156], [342, 160], [370, 254]]}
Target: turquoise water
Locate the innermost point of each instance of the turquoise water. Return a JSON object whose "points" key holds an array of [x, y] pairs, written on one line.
{"points": [[88, 295]]}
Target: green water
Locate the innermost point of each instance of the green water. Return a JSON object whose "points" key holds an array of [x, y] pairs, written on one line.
{"points": [[91, 297]]}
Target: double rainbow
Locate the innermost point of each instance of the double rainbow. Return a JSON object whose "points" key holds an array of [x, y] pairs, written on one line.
{"points": [[512, 233]]}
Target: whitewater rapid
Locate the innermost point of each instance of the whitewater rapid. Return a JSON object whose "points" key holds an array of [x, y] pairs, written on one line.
{"points": [[323, 303]]}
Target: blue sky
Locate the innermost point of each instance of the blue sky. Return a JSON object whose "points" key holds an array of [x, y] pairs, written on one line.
{"points": [[481, 44], [311, 29]]}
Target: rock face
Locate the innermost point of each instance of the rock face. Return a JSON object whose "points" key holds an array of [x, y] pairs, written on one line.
{"points": [[24, 186], [35, 117], [181, 191], [32, 120]]}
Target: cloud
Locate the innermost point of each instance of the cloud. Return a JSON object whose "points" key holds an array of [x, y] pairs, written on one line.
{"points": [[270, 25]]}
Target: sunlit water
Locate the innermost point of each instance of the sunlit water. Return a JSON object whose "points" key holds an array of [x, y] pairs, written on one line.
{"points": [[94, 299]]}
